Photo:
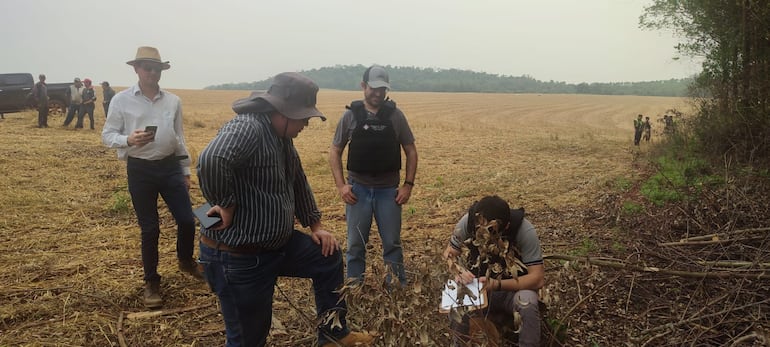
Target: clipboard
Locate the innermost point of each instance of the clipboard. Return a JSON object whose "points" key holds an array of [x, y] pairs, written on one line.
{"points": [[469, 296]]}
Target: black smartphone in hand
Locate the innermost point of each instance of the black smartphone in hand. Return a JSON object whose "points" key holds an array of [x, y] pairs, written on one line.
{"points": [[206, 220], [151, 129]]}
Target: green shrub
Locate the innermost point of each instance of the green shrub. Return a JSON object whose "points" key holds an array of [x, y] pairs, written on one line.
{"points": [[121, 203], [632, 208]]}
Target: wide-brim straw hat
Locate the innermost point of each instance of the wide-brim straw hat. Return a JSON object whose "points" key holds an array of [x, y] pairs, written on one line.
{"points": [[291, 94], [151, 54]]}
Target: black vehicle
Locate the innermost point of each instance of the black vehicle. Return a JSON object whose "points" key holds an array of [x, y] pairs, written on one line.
{"points": [[16, 94]]}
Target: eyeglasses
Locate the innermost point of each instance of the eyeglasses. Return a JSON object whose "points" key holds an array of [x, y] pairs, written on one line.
{"points": [[151, 68]]}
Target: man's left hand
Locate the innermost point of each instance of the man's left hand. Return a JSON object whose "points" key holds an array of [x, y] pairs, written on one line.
{"points": [[326, 240], [403, 193]]}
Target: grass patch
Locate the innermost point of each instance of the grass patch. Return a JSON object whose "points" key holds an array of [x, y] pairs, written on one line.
{"points": [[587, 246], [120, 203], [623, 184], [632, 208], [680, 175]]}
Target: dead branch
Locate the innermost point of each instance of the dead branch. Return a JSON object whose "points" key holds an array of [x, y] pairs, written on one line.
{"points": [[148, 314], [709, 242], [119, 328], [205, 333], [650, 269], [698, 318], [732, 264], [717, 235]]}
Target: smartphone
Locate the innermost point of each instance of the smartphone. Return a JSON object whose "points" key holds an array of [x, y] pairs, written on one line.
{"points": [[206, 220], [151, 129]]}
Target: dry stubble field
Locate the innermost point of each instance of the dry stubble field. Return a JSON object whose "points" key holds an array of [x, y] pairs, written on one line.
{"points": [[70, 255]]}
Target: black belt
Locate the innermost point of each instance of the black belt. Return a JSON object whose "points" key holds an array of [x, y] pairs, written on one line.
{"points": [[242, 249], [170, 159]]}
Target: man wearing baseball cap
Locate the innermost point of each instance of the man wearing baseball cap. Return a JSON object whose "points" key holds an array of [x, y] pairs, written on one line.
{"points": [[375, 131], [252, 176]]}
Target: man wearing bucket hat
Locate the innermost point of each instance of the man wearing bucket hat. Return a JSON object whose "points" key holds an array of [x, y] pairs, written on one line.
{"points": [[375, 131], [252, 175], [144, 124]]}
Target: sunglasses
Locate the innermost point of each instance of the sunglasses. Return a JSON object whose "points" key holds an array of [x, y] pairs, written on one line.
{"points": [[151, 68]]}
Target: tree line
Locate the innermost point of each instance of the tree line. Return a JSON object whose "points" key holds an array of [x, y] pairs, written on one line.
{"points": [[733, 89], [415, 79]]}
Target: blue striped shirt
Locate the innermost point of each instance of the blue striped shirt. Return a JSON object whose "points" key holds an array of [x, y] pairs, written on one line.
{"points": [[249, 166]]}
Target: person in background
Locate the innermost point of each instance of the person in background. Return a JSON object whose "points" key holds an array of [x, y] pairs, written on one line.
{"points": [[75, 97], [88, 104], [40, 94], [252, 176], [108, 93], [647, 130], [375, 131], [157, 163], [638, 129], [510, 289]]}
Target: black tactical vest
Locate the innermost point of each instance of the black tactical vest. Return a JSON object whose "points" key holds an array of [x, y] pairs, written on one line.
{"points": [[373, 145]]}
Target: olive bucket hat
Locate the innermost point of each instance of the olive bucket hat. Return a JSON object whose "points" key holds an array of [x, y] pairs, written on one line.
{"points": [[290, 93]]}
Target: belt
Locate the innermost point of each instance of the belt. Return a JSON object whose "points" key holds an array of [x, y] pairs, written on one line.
{"points": [[242, 249], [169, 159]]}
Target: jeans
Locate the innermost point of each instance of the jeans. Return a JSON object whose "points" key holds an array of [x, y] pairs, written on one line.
{"points": [[637, 137], [72, 109], [147, 179], [89, 109], [380, 203], [42, 115], [245, 284], [504, 304]]}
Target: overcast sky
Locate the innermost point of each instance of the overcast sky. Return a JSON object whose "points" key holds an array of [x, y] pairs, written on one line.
{"points": [[214, 42]]}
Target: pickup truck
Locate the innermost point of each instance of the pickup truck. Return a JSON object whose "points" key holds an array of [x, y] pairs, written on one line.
{"points": [[16, 89]]}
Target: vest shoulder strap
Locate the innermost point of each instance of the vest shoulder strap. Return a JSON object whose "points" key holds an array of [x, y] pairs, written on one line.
{"points": [[517, 217], [359, 110]]}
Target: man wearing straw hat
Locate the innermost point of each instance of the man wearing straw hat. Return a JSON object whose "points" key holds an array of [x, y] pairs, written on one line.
{"points": [[252, 175], [144, 124]]}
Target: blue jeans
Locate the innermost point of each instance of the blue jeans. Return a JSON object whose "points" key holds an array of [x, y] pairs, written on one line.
{"points": [[380, 203], [147, 179], [72, 111], [245, 283]]}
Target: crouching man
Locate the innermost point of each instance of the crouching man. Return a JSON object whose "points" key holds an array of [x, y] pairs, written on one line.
{"points": [[504, 254]]}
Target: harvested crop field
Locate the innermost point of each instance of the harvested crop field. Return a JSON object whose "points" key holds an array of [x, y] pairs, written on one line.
{"points": [[69, 243]]}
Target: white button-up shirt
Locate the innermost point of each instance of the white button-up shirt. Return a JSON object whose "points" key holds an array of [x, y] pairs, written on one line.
{"points": [[131, 110]]}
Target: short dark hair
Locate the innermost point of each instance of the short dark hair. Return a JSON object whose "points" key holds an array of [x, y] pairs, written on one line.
{"points": [[491, 208]]}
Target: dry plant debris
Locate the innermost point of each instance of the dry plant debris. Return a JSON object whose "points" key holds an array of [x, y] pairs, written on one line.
{"points": [[69, 244]]}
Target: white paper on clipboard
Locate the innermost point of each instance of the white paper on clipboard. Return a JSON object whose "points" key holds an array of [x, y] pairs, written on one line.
{"points": [[474, 300]]}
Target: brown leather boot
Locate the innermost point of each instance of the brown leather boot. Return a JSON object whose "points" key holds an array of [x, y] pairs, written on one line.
{"points": [[152, 297], [191, 267], [352, 339]]}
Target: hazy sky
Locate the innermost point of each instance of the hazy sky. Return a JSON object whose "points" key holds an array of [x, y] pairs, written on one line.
{"points": [[214, 42]]}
